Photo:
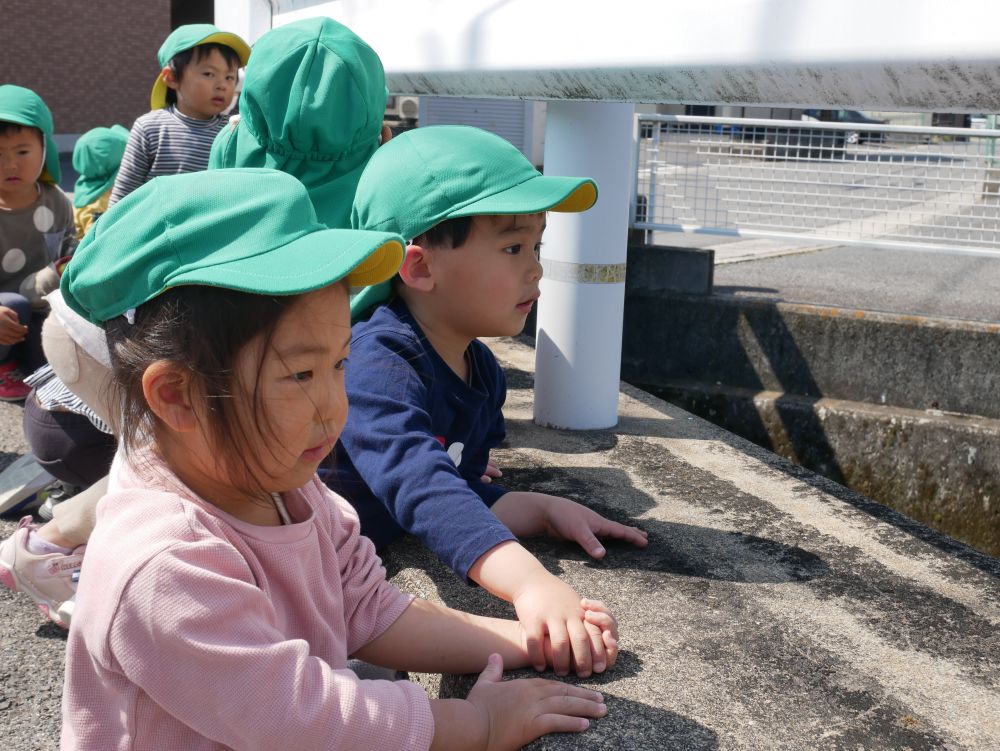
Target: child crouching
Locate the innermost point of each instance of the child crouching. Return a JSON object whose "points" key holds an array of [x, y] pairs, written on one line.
{"points": [[227, 586]]}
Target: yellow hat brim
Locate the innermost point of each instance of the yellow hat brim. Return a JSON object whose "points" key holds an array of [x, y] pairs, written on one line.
{"points": [[580, 199], [378, 267]]}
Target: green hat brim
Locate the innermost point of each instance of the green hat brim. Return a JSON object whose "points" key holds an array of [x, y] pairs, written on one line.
{"points": [[306, 264], [158, 96], [86, 190], [541, 193], [51, 171]]}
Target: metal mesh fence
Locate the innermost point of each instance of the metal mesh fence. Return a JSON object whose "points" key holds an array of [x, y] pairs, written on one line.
{"points": [[881, 185]]}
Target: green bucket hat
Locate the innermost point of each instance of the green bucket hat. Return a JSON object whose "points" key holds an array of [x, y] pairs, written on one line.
{"points": [[24, 107], [312, 105], [251, 230], [184, 38], [427, 175], [96, 157]]}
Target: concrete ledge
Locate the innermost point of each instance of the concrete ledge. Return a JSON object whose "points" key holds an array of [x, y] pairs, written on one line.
{"points": [[774, 609], [937, 467]]}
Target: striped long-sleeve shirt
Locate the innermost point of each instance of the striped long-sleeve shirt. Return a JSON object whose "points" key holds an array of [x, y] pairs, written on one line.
{"points": [[164, 142]]}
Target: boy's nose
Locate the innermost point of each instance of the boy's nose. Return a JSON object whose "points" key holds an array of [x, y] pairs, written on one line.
{"points": [[535, 272]]}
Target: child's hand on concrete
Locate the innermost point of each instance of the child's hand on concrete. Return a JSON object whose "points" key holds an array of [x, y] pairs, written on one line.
{"points": [[556, 631], [527, 514], [12, 330], [517, 712], [492, 471]]}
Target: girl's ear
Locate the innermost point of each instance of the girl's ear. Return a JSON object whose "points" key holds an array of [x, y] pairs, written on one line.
{"points": [[167, 388], [417, 268], [169, 78]]}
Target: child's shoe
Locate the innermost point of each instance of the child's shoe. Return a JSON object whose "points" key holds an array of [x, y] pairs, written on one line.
{"points": [[49, 579], [55, 494], [12, 385]]}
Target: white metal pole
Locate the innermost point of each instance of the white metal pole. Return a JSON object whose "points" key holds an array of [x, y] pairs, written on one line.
{"points": [[579, 340]]}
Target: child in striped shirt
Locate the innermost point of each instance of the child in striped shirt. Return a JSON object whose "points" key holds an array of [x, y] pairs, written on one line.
{"points": [[197, 80]]}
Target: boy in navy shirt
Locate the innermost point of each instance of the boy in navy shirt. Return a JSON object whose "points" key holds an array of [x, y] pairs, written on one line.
{"points": [[426, 395]]}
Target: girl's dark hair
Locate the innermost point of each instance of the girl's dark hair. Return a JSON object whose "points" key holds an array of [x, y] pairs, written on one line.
{"points": [[182, 59], [204, 330]]}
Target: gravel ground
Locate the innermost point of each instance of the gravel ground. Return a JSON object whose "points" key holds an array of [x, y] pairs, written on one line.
{"points": [[32, 648]]}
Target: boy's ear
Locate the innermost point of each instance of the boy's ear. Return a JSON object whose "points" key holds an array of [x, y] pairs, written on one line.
{"points": [[417, 268], [167, 388], [169, 78]]}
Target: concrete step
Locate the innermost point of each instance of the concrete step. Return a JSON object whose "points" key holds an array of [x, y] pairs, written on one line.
{"points": [[936, 467]]}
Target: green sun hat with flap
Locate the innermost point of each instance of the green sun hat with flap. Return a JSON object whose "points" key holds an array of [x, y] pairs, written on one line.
{"points": [[424, 176], [184, 38], [312, 105], [250, 230], [97, 156], [24, 107]]}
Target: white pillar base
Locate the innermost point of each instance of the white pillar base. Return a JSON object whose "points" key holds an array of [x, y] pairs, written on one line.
{"points": [[578, 345]]}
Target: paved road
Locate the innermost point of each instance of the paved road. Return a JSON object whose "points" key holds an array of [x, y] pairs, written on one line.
{"points": [[32, 649], [924, 284]]}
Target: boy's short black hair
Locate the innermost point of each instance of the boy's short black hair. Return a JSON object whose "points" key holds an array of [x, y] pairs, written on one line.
{"points": [[8, 127], [182, 59], [451, 233]]}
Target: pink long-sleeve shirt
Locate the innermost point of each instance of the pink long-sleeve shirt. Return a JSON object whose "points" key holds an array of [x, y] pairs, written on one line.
{"points": [[194, 630]]}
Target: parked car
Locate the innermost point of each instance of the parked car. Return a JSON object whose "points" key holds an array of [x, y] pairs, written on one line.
{"points": [[849, 116]]}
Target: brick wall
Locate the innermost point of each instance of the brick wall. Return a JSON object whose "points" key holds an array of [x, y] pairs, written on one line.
{"points": [[92, 62]]}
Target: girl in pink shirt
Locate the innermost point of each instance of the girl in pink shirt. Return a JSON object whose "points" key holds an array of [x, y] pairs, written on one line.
{"points": [[226, 586]]}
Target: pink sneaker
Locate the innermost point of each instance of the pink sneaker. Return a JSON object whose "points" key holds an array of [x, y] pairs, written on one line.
{"points": [[12, 385], [49, 579]]}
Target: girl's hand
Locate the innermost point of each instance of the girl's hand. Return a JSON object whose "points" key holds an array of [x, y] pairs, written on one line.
{"points": [[12, 330], [603, 630], [492, 471], [514, 713], [548, 607]]}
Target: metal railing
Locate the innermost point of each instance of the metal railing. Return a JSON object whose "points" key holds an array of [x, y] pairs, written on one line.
{"points": [[848, 184]]}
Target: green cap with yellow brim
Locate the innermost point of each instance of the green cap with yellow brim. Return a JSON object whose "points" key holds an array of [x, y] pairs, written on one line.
{"points": [[24, 107], [184, 38], [249, 230], [427, 175]]}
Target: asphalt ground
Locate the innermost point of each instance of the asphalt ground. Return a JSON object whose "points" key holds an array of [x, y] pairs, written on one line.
{"points": [[32, 648], [930, 284]]}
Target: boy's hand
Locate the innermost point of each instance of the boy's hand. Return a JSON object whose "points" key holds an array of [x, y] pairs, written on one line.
{"points": [[492, 471], [548, 607], [12, 330], [517, 712], [527, 514]]}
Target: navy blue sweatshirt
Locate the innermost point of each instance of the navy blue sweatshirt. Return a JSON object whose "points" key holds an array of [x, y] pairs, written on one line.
{"points": [[417, 440]]}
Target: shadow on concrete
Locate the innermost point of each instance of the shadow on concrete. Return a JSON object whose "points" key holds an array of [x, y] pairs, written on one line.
{"points": [[671, 427], [732, 289], [674, 548], [629, 724], [49, 630]]}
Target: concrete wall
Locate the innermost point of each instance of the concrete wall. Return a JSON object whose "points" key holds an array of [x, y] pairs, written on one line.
{"points": [[93, 63], [906, 361]]}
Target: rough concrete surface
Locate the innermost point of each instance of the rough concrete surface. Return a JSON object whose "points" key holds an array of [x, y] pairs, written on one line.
{"points": [[937, 467], [773, 609]]}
